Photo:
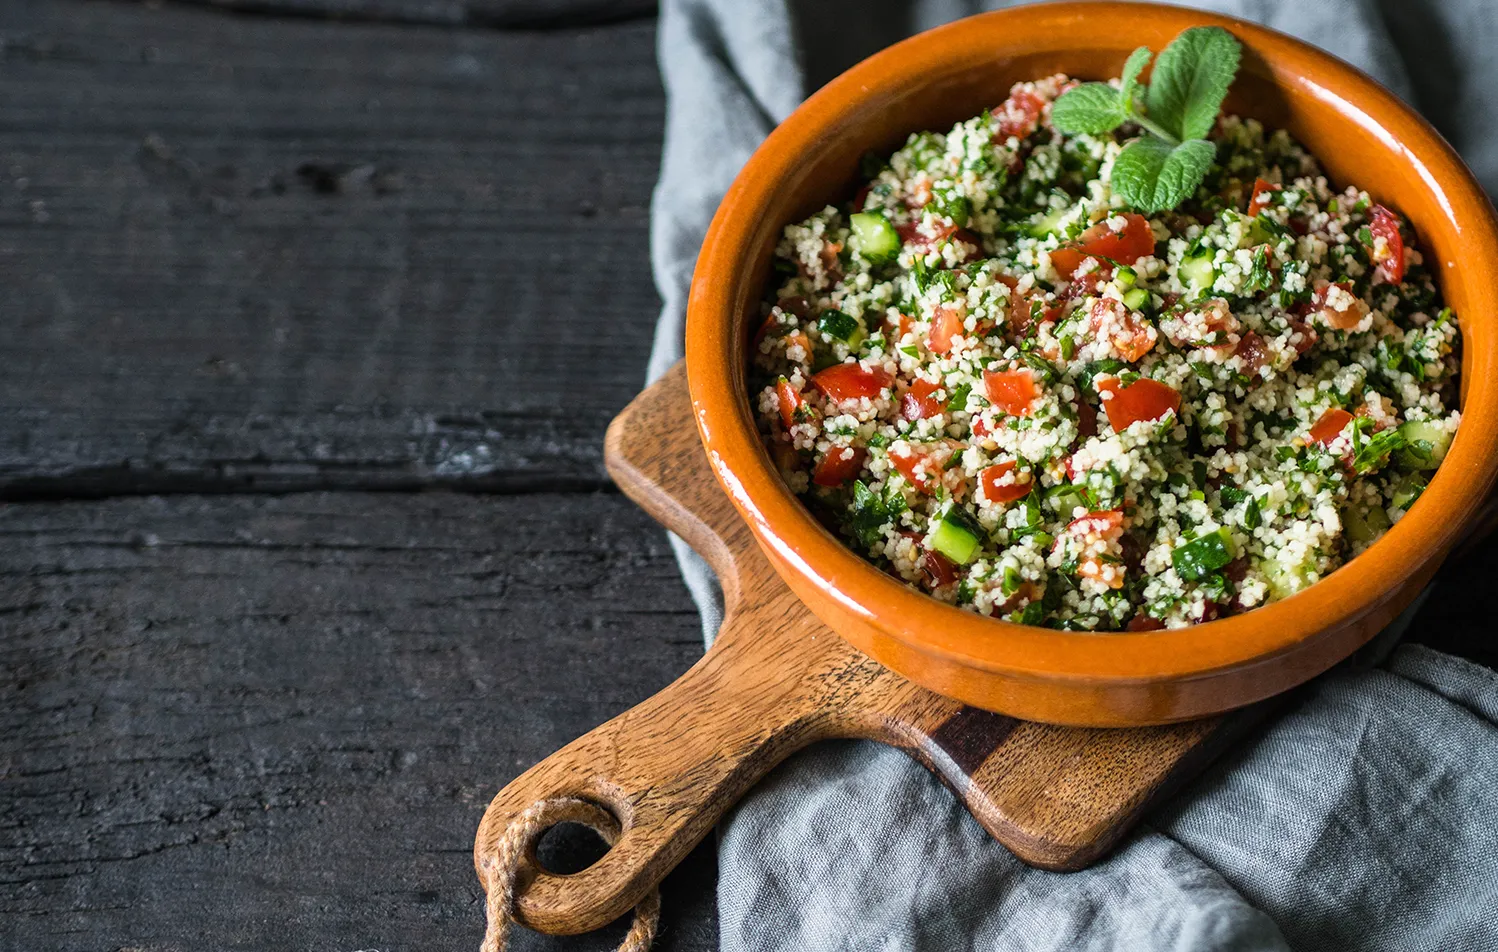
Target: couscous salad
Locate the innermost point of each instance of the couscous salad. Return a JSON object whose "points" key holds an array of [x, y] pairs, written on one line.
{"points": [[1005, 377]]}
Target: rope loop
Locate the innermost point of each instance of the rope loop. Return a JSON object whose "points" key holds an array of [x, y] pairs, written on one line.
{"points": [[503, 870]]}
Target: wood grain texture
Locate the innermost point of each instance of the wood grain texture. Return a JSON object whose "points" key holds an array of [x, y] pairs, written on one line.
{"points": [[254, 723], [777, 680], [243, 253], [528, 14], [204, 220]]}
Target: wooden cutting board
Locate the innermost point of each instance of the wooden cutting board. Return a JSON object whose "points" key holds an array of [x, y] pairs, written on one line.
{"points": [[776, 680]]}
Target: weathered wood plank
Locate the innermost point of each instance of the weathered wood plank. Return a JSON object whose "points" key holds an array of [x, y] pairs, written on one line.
{"points": [[257, 253], [252, 722], [458, 13]]}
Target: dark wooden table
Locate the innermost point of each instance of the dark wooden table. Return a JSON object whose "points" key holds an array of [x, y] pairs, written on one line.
{"points": [[314, 313]]}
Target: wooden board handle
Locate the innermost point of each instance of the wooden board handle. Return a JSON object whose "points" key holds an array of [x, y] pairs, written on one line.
{"points": [[670, 768]]}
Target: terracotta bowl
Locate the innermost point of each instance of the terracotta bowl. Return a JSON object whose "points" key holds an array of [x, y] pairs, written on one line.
{"points": [[1361, 133]]}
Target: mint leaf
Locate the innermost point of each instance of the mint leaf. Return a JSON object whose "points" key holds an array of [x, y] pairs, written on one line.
{"points": [[1152, 175], [1191, 78], [1091, 108], [1129, 82]]}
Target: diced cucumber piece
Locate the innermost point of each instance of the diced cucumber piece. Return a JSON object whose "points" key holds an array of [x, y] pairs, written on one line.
{"points": [[1284, 580], [1365, 525], [1407, 490], [1011, 582], [1125, 276], [1048, 223], [1260, 232], [1356, 526], [1426, 443], [957, 536], [836, 325], [1066, 500], [1135, 298], [1203, 555], [1198, 274], [874, 237]]}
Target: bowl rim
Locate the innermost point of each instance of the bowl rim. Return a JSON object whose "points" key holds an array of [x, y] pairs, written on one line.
{"points": [[798, 543]]}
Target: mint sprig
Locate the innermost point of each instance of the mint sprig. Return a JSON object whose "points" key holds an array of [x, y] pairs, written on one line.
{"points": [[1163, 167]]}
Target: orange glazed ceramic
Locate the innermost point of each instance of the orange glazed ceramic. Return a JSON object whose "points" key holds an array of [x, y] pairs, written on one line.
{"points": [[1361, 134]]}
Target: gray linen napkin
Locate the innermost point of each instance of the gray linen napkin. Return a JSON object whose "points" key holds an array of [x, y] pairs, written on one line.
{"points": [[1365, 819]]}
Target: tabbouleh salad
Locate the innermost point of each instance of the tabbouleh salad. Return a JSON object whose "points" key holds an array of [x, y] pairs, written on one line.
{"points": [[1003, 384]]}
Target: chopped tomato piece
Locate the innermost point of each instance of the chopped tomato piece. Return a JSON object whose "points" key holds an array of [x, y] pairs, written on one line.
{"points": [[1304, 336], [1253, 352], [1259, 200], [1027, 592], [995, 490], [838, 465], [791, 403], [1019, 115], [1086, 419], [798, 339], [831, 263], [1022, 312], [916, 465], [1130, 334], [938, 569], [850, 382], [1103, 522], [1066, 260], [1237, 570], [1348, 310], [1012, 391], [764, 331], [898, 328], [918, 402], [920, 192], [1143, 622], [1094, 533], [925, 464], [946, 325], [1126, 246], [941, 230], [1144, 399], [1389, 256], [797, 305], [910, 233], [1091, 282], [973, 241], [1330, 426], [1208, 324], [1234, 435]]}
